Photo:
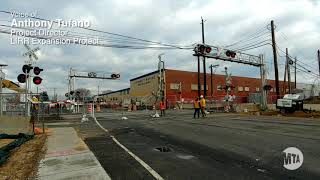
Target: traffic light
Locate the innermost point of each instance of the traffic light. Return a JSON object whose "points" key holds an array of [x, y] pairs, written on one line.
{"points": [[26, 68], [37, 80], [22, 78], [115, 76], [37, 70], [231, 54]]}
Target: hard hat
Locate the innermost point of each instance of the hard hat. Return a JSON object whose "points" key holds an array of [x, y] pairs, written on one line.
{"points": [[201, 96]]}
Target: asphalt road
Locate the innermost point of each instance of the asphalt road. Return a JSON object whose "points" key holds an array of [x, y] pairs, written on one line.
{"points": [[220, 146]]}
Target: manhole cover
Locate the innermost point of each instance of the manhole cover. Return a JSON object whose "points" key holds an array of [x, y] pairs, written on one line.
{"points": [[163, 149]]}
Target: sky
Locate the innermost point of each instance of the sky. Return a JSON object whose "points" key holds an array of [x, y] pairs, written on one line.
{"points": [[174, 22]]}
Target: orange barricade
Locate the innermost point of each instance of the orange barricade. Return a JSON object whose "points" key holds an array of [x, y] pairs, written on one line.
{"points": [[98, 108], [90, 107]]}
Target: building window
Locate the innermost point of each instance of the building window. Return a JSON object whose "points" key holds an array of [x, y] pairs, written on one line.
{"points": [[202, 87], [194, 87], [174, 86], [246, 89], [240, 88], [257, 89]]}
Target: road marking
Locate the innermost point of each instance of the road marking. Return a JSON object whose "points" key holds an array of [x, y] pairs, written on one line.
{"points": [[145, 165]]}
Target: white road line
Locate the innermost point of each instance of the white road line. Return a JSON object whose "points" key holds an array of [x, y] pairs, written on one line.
{"points": [[145, 165]]}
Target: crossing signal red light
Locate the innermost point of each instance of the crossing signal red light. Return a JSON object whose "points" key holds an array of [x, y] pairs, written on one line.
{"points": [[115, 76], [22, 78], [26, 68], [208, 49], [231, 54], [37, 80], [37, 70]]}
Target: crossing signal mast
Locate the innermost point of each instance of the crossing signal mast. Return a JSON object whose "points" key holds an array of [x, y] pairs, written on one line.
{"points": [[220, 53], [73, 74], [25, 77]]}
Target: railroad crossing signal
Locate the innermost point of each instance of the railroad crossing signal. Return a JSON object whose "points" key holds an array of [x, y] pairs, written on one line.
{"points": [[115, 76], [22, 78], [203, 49], [231, 54], [37, 70], [26, 68], [37, 80]]}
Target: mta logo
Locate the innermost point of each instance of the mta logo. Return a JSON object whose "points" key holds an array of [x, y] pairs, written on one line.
{"points": [[293, 158]]}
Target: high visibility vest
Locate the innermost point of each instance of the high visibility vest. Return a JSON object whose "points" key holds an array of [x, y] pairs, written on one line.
{"points": [[203, 102], [196, 104]]}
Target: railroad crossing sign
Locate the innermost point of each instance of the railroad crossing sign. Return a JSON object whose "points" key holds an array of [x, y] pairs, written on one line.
{"points": [[30, 53]]}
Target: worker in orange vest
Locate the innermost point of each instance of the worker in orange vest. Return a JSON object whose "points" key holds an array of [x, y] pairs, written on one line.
{"points": [[203, 106], [196, 105], [162, 108]]}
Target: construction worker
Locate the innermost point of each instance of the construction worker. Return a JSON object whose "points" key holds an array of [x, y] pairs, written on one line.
{"points": [[162, 108], [196, 105], [203, 106]]}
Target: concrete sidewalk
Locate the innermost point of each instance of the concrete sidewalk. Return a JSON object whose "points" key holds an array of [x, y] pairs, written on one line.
{"points": [[68, 157]]}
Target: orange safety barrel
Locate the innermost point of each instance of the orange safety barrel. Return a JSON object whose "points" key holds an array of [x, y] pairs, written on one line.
{"points": [[90, 107], [98, 108]]}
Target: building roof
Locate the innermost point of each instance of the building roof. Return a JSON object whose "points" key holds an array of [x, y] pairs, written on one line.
{"points": [[148, 74], [114, 91]]}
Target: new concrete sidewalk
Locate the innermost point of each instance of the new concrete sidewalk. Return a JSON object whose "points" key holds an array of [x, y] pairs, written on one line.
{"points": [[68, 157]]}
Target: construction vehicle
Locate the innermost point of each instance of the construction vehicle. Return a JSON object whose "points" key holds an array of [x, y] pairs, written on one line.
{"points": [[290, 103]]}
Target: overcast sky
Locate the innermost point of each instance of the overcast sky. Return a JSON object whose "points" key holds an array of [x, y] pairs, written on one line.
{"points": [[174, 22]]}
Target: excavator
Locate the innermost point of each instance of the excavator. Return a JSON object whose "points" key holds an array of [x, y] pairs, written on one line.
{"points": [[11, 85]]}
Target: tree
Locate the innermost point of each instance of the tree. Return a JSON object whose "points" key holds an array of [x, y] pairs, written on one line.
{"points": [[44, 96], [82, 93]]}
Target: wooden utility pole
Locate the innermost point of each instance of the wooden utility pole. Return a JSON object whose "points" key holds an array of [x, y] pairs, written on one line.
{"points": [[319, 60], [199, 85], [284, 85], [275, 59], [295, 72], [288, 70], [204, 64]]}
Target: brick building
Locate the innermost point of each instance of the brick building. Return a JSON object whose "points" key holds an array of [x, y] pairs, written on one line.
{"points": [[143, 88]]}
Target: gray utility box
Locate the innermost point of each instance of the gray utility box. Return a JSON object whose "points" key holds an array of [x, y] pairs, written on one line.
{"points": [[290, 103]]}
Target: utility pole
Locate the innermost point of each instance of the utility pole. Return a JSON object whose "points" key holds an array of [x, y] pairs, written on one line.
{"points": [[275, 59], [211, 67], [295, 72], [54, 94], [319, 60], [288, 69], [284, 85], [2, 76], [199, 85], [204, 64]]}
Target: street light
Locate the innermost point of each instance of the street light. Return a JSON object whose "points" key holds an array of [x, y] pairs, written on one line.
{"points": [[1, 77]]}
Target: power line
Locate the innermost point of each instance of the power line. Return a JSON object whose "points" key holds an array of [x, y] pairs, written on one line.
{"points": [[253, 35]]}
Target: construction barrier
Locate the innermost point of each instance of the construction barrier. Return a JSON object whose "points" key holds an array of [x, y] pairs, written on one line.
{"points": [[98, 108], [90, 107]]}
